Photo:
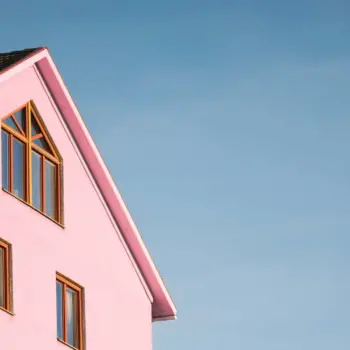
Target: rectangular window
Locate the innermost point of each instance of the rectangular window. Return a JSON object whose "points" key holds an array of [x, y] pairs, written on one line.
{"points": [[69, 312], [5, 291]]}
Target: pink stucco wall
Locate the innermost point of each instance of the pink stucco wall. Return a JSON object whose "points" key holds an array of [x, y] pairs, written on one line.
{"points": [[89, 250]]}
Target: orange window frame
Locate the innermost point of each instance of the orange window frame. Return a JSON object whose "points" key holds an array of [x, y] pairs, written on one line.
{"points": [[28, 140], [80, 319], [6, 247]]}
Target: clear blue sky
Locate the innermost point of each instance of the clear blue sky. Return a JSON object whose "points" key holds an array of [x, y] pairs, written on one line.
{"points": [[226, 125]]}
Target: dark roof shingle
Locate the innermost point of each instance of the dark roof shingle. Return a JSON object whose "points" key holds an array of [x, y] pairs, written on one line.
{"points": [[8, 59]]}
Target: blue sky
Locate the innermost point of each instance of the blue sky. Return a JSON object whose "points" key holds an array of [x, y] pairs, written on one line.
{"points": [[226, 127]]}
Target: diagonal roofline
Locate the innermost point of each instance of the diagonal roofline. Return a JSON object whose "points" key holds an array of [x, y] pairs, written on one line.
{"points": [[163, 307]]}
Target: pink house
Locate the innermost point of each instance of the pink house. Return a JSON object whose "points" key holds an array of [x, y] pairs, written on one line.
{"points": [[74, 271]]}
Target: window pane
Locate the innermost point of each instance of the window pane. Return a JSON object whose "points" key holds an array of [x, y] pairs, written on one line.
{"points": [[59, 309], [72, 317], [41, 142], [18, 168], [5, 159], [2, 277], [35, 127], [21, 118], [50, 189], [36, 180], [10, 122]]}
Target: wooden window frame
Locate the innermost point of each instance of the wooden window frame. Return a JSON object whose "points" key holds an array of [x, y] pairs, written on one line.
{"points": [[28, 140], [66, 282], [7, 276]]}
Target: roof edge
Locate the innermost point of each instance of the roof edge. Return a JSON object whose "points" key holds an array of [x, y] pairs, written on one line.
{"points": [[164, 318]]}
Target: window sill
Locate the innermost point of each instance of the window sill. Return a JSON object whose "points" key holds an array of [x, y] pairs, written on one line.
{"points": [[70, 346], [30, 206], [7, 311]]}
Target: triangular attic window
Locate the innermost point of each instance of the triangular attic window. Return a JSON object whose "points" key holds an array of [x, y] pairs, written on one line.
{"points": [[39, 137], [9, 121], [20, 117], [17, 121], [41, 142], [35, 127]]}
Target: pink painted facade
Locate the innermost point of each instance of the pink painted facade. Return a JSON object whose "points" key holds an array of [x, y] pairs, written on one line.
{"points": [[99, 246]]}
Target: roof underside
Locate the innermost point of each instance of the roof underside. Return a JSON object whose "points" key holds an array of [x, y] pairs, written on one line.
{"points": [[162, 307]]}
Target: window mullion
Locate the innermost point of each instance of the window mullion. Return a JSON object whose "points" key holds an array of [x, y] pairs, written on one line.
{"points": [[65, 332], [58, 193], [11, 164], [80, 319], [7, 279], [29, 156], [43, 195], [3, 285], [25, 171]]}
